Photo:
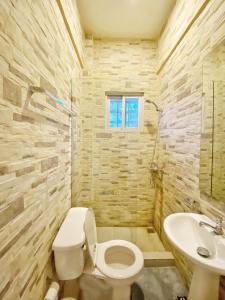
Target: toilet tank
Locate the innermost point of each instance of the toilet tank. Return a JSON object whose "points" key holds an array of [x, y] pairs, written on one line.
{"points": [[68, 245]]}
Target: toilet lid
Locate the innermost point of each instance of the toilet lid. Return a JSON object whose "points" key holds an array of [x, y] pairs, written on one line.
{"points": [[91, 234], [118, 273]]}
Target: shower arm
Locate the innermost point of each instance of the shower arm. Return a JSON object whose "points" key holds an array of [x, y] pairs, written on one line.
{"points": [[156, 106]]}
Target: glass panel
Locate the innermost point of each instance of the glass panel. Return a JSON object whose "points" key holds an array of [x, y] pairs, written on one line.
{"points": [[218, 150], [212, 151], [131, 112], [115, 118]]}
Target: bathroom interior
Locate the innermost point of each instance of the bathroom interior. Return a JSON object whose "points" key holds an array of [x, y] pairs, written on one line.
{"points": [[112, 149]]}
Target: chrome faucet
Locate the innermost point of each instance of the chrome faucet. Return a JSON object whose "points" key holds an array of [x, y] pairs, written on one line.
{"points": [[218, 229]]}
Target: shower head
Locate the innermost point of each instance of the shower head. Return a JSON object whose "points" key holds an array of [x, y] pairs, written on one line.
{"points": [[156, 106]]}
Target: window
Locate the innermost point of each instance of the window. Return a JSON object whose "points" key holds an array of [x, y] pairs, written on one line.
{"points": [[123, 112], [115, 113]]}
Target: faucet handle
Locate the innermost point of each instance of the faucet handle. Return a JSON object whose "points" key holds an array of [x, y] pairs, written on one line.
{"points": [[219, 226], [219, 221]]}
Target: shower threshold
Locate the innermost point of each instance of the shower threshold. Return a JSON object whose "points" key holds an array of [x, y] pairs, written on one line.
{"points": [[150, 244]]}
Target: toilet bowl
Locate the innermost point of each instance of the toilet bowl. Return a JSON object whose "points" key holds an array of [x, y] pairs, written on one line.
{"points": [[117, 262]]}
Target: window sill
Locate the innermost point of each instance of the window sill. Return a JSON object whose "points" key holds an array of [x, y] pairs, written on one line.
{"points": [[131, 130]]}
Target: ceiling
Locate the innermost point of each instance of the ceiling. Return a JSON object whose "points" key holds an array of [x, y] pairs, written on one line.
{"points": [[124, 18]]}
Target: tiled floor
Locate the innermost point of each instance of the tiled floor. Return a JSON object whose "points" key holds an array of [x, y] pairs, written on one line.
{"points": [[159, 284], [147, 242]]}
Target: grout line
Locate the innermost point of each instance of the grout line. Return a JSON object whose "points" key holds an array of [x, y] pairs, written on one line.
{"points": [[199, 11], [69, 32]]}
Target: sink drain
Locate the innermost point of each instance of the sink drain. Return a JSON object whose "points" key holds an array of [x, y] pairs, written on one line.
{"points": [[203, 252]]}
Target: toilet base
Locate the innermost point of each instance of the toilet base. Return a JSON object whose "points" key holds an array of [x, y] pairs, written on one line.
{"points": [[121, 292]]}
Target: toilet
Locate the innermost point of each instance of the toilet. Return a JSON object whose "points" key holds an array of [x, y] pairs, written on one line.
{"points": [[77, 252]]}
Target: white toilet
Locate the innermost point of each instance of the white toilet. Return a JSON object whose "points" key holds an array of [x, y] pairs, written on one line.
{"points": [[117, 262]]}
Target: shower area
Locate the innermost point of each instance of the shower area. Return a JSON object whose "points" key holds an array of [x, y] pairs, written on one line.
{"points": [[147, 238], [121, 177]]}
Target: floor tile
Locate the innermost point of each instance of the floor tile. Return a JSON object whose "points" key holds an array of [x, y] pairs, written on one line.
{"points": [[164, 283]]}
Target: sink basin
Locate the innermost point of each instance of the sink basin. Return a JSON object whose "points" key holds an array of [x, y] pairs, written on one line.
{"points": [[184, 232]]}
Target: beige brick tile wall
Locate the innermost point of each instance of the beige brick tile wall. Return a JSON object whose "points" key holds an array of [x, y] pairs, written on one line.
{"points": [[35, 142], [115, 176], [181, 97], [185, 11], [109, 169]]}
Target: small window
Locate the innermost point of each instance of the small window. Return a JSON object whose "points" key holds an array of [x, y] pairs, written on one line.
{"points": [[115, 113], [123, 112], [131, 112]]}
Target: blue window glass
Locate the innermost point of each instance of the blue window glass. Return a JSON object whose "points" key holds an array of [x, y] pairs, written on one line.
{"points": [[115, 118], [131, 112]]}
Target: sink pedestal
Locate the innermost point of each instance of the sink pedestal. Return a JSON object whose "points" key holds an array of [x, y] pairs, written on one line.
{"points": [[204, 285]]}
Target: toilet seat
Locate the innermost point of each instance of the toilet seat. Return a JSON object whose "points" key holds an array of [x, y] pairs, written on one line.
{"points": [[118, 262], [119, 271]]}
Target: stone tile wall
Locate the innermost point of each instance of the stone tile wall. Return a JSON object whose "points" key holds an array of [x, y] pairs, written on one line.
{"points": [[115, 175], [109, 169], [35, 142], [76, 138], [181, 98], [180, 18]]}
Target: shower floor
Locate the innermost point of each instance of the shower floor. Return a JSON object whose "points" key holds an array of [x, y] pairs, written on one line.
{"points": [[149, 243]]}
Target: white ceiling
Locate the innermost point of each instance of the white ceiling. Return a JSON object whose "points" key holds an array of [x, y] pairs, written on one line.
{"points": [[124, 18]]}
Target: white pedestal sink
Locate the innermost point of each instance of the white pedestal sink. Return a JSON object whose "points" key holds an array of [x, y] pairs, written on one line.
{"points": [[184, 232]]}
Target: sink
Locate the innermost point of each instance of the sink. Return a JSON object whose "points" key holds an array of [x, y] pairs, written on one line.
{"points": [[184, 232]]}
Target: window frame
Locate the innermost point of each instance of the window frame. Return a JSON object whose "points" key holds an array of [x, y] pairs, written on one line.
{"points": [[123, 98]]}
